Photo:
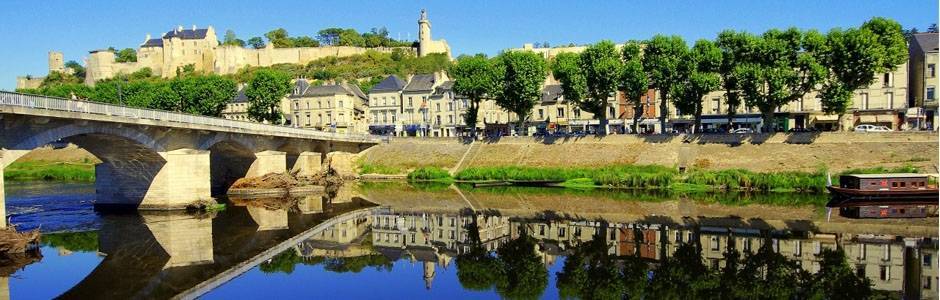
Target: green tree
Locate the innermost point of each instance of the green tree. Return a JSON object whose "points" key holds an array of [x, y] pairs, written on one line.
{"points": [[853, 57], [522, 74], [522, 274], [77, 69], [699, 71], [126, 55], [602, 68], [59, 78], [782, 70], [204, 95], [661, 60], [304, 41], [566, 68], [256, 42], [264, 93], [633, 80], [736, 48], [232, 40], [329, 36], [350, 37], [279, 38], [837, 280], [475, 77]]}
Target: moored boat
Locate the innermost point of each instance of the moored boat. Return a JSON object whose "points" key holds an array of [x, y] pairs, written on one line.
{"points": [[903, 195]]}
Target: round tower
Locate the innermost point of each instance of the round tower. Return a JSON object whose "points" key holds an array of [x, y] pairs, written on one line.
{"points": [[424, 34]]}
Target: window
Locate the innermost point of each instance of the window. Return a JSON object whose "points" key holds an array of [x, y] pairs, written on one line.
{"points": [[541, 229], [440, 233], [561, 232], [884, 273], [612, 112], [860, 270], [451, 234], [561, 112], [577, 113], [931, 70], [340, 103], [886, 249], [890, 97], [450, 119], [409, 102], [716, 105], [678, 236], [577, 231], [925, 282], [412, 238], [308, 119], [930, 93], [798, 248], [715, 243], [864, 103], [453, 221], [862, 251], [438, 107], [613, 234], [541, 114], [887, 80]]}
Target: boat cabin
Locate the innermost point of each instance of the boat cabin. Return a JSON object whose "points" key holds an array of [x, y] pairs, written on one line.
{"points": [[884, 182]]}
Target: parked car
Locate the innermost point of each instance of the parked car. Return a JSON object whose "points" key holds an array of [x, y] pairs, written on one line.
{"points": [[871, 128], [743, 130]]}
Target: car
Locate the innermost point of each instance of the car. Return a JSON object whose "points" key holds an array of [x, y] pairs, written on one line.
{"points": [[864, 128], [882, 129], [743, 130]]}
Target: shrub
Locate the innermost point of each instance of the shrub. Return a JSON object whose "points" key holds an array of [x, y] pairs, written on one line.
{"points": [[429, 173]]}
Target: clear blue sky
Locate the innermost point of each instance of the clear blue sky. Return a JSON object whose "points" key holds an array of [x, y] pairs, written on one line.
{"points": [[32, 28]]}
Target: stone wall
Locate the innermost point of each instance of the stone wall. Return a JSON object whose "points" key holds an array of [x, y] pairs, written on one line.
{"points": [[759, 152]]}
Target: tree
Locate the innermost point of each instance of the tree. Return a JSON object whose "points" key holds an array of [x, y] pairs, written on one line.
{"points": [[661, 60], [126, 55], [203, 95], [256, 42], [735, 47], [279, 38], [475, 77], [633, 81], [700, 76], [567, 69], [350, 37], [836, 279], [329, 36], [59, 78], [523, 276], [602, 68], [305, 41], [932, 28], [782, 70], [522, 74], [264, 93], [909, 33], [853, 57], [77, 69], [231, 40]]}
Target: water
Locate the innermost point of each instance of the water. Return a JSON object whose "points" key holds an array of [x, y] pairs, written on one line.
{"points": [[381, 241]]}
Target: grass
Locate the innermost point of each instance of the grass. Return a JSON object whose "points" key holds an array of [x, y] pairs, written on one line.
{"points": [[430, 174], [366, 168], [50, 171]]}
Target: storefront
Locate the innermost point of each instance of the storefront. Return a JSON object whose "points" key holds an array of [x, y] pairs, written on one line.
{"points": [[887, 118], [382, 129], [719, 123]]}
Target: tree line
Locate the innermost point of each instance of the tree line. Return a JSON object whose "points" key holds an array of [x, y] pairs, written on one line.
{"points": [[765, 71], [334, 36]]}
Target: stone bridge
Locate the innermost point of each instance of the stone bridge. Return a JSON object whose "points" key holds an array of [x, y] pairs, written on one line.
{"points": [[162, 160]]}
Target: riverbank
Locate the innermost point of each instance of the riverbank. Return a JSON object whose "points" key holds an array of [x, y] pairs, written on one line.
{"points": [[50, 171], [762, 153], [650, 177]]}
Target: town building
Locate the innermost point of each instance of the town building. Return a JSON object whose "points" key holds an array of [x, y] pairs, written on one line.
{"points": [[415, 115], [385, 105], [237, 109], [199, 49], [336, 107], [923, 80]]}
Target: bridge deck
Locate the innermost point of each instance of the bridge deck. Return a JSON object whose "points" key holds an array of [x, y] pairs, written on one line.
{"points": [[44, 106]]}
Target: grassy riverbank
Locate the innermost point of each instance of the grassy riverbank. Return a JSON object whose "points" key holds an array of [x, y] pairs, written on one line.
{"points": [[652, 177], [50, 171]]}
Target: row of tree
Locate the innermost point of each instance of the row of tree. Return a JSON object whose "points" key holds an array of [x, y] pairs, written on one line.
{"points": [[763, 71], [279, 38]]}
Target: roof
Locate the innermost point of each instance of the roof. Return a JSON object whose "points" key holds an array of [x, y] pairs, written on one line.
{"points": [[152, 43], [329, 90], [442, 89], [187, 34], [240, 96], [925, 42], [389, 84], [551, 93], [895, 175], [420, 83]]}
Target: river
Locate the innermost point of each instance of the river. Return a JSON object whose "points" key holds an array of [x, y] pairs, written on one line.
{"points": [[390, 240]]}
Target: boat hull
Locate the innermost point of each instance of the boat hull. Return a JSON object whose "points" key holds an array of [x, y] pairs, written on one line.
{"points": [[854, 197]]}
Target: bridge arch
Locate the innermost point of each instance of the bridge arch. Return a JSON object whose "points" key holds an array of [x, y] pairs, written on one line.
{"points": [[229, 160]]}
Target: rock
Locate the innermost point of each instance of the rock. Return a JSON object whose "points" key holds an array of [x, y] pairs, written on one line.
{"points": [[269, 181]]}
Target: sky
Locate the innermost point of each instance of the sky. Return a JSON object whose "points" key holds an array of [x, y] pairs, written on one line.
{"points": [[32, 28]]}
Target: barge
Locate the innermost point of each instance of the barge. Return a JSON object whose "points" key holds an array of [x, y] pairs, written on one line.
{"points": [[884, 196]]}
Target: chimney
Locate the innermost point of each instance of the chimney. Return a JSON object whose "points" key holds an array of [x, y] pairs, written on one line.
{"points": [[148, 37], [179, 28], [194, 27]]}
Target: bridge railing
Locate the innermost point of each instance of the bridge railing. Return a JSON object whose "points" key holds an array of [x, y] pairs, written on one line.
{"points": [[98, 108]]}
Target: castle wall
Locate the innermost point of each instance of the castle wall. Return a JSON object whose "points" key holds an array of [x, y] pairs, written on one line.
{"points": [[232, 58]]}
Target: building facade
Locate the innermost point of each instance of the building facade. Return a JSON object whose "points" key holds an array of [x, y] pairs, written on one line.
{"points": [[385, 106], [336, 107], [923, 80]]}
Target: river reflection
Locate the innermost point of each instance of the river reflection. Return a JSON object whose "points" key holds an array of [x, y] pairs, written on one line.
{"points": [[400, 241]]}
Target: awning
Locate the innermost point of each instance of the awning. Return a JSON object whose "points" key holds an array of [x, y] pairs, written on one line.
{"points": [[826, 118], [867, 119]]}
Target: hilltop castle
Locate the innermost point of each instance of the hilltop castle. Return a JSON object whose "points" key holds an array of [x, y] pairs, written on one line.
{"points": [[200, 48]]}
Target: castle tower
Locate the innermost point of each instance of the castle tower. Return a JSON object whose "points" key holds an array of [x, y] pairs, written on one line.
{"points": [[424, 34], [428, 274], [56, 62]]}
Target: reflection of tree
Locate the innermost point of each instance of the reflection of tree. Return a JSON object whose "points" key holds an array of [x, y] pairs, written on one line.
{"points": [[591, 273], [682, 276], [769, 275], [835, 279], [285, 262], [85, 241], [517, 271]]}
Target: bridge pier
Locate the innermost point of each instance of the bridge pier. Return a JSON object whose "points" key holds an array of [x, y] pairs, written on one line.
{"points": [[186, 239], [311, 204], [268, 219], [267, 162], [180, 178], [307, 164]]}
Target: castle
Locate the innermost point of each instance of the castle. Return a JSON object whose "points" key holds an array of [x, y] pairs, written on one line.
{"points": [[200, 48]]}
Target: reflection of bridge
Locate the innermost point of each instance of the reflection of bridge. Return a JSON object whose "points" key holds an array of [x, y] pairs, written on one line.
{"points": [[173, 254], [157, 159]]}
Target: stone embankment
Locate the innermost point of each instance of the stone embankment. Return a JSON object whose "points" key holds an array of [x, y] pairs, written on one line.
{"points": [[758, 152]]}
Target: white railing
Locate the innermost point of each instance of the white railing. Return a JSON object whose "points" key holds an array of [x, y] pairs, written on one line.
{"points": [[97, 108]]}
